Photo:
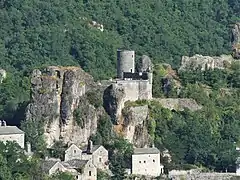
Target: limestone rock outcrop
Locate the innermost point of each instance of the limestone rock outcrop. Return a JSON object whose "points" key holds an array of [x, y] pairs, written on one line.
{"points": [[131, 122], [179, 104], [236, 40], [145, 64], [236, 34], [3, 75], [56, 93], [205, 62], [113, 102], [135, 121]]}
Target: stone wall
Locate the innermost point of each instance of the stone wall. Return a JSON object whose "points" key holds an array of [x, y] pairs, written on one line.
{"points": [[197, 175], [122, 91], [146, 164], [100, 158], [18, 138]]}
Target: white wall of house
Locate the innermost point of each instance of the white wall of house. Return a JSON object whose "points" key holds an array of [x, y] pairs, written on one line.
{"points": [[73, 152], [146, 164], [100, 158], [58, 167], [18, 138], [89, 172]]}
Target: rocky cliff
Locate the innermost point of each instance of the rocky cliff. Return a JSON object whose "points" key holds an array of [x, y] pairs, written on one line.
{"points": [[56, 93], [3, 75], [179, 104], [205, 62], [236, 40]]}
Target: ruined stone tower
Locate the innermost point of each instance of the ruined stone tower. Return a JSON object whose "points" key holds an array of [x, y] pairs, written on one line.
{"points": [[125, 62]]}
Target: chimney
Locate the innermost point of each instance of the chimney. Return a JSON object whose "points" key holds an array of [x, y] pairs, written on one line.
{"points": [[29, 149], [153, 146], [90, 146], [4, 123], [1, 123]]}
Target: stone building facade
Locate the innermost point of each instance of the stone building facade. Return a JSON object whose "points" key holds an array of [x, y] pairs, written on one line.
{"points": [[97, 154], [80, 169], [73, 152], [146, 161], [11, 133]]}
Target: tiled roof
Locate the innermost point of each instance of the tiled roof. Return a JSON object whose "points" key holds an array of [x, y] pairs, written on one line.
{"points": [[94, 148], [76, 163], [146, 151], [47, 165], [10, 130]]}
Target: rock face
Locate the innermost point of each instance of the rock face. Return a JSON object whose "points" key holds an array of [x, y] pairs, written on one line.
{"points": [[56, 93], [3, 75], [236, 40], [205, 62], [179, 104], [145, 64], [131, 122], [113, 102], [135, 120]]}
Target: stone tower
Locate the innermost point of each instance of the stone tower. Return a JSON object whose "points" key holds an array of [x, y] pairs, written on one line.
{"points": [[125, 62]]}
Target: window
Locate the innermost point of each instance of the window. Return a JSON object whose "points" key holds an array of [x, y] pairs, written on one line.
{"points": [[131, 70], [100, 159], [74, 151], [144, 161], [153, 160], [90, 173], [139, 161]]}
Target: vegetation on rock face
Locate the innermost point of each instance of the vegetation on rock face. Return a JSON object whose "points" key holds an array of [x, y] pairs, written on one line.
{"points": [[16, 166], [39, 33], [95, 98], [206, 137]]}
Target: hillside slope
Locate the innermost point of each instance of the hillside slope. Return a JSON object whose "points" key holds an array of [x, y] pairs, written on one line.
{"points": [[38, 33]]}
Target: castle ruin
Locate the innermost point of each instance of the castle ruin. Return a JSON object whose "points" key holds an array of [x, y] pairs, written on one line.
{"points": [[136, 83]]}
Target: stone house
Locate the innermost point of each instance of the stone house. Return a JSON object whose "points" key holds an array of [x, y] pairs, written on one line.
{"points": [[80, 169], [146, 161], [51, 167], [73, 152], [97, 154], [11, 133]]}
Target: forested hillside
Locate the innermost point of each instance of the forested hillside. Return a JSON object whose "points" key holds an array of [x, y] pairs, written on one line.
{"points": [[38, 32]]}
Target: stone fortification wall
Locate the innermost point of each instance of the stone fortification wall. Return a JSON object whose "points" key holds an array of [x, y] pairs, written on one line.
{"points": [[135, 89], [196, 174]]}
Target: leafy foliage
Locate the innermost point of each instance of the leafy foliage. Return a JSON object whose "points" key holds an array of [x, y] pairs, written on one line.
{"points": [[206, 137], [39, 33], [15, 165]]}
